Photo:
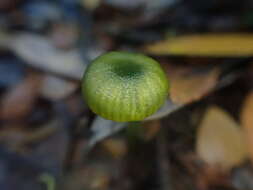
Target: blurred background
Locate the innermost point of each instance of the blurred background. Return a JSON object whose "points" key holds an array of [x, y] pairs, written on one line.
{"points": [[202, 138]]}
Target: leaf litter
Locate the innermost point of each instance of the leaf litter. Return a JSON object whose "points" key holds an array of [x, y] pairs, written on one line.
{"points": [[48, 130]]}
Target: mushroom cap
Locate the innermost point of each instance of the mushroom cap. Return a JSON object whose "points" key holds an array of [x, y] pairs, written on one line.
{"points": [[122, 86]]}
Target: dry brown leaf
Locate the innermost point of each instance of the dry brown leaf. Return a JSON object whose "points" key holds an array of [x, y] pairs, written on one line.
{"points": [[220, 141], [19, 100], [247, 122], [214, 45], [187, 85]]}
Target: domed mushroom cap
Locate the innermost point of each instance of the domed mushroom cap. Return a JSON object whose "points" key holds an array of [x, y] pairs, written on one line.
{"points": [[122, 86]]}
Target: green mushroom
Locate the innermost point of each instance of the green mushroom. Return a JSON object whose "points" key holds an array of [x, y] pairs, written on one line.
{"points": [[123, 87]]}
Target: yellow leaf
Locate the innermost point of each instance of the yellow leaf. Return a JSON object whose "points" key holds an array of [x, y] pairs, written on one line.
{"points": [[220, 141], [213, 45], [247, 122]]}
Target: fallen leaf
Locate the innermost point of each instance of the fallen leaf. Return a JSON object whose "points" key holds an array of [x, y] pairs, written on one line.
{"points": [[18, 101], [220, 141], [213, 45], [247, 122], [56, 88], [190, 84], [40, 53]]}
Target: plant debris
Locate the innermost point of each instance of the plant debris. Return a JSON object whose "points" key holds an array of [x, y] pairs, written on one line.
{"points": [[200, 139]]}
